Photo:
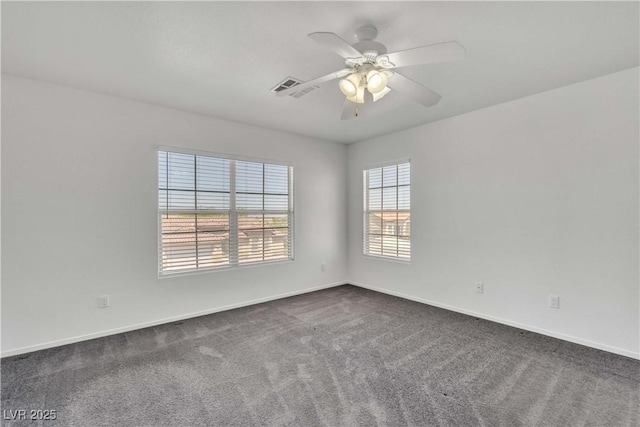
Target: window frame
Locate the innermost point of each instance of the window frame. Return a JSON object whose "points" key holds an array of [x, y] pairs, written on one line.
{"points": [[233, 212], [366, 211]]}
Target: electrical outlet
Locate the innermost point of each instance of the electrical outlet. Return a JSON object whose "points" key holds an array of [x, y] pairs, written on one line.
{"points": [[479, 287], [554, 301], [323, 267], [103, 301]]}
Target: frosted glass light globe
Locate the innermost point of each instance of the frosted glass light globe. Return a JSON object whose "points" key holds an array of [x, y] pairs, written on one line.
{"points": [[376, 82], [349, 85]]}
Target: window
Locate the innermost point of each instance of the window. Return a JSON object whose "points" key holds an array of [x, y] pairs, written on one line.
{"points": [[216, 212], [387, 211]]}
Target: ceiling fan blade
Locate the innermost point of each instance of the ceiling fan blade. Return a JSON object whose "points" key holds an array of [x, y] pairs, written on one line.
{"points": [[407, 87], [334, 43], [441, 52], [317, 81], [349, 110]]}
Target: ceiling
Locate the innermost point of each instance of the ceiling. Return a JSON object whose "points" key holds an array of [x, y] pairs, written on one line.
{"points": [[222, 58]]}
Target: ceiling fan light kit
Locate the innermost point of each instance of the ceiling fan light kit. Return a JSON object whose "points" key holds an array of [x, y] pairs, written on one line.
{"points": [[358, 98], [379, 95], [376, 81], [349, 85], [368, 74]]}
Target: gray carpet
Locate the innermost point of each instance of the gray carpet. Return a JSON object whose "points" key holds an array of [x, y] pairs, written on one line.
{"points": [[339, 357]]}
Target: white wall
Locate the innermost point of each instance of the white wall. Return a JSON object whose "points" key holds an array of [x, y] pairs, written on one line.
{"points": [[533, 197], [79, 211]]}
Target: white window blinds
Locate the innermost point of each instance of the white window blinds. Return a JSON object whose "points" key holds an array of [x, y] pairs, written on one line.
{"points": [[215, 212], [263, 214], [387, 211]]}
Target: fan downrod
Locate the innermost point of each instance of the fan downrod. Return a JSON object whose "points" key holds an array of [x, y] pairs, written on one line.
{"points": [[366, 33], [366, 44]]}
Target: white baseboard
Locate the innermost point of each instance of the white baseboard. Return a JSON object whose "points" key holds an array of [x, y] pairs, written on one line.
{"points": [[101, 334], [599, 346]]}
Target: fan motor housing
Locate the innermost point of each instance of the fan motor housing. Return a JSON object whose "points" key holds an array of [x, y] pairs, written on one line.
{"points": [[368, 46]]}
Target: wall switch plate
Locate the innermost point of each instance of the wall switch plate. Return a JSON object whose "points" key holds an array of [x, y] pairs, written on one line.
{"points": [[554, 301], [479, 287], [103, 301], [323, 267]]}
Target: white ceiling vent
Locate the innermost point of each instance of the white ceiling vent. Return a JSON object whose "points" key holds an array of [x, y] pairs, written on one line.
{"points": [[290, 82], [285, 84], [304, 91]]}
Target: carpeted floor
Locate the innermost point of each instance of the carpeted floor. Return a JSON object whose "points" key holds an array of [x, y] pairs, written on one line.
{"points": [[340, 357]]}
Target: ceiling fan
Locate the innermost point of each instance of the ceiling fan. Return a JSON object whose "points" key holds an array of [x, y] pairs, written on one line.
{"points": [[369, 72]]}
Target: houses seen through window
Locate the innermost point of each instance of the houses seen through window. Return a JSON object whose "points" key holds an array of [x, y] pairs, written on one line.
{"points": [[216, 212], [387, 211]]}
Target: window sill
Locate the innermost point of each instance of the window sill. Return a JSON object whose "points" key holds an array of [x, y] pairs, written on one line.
{"points": [[388, 258], [223, 268]]}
